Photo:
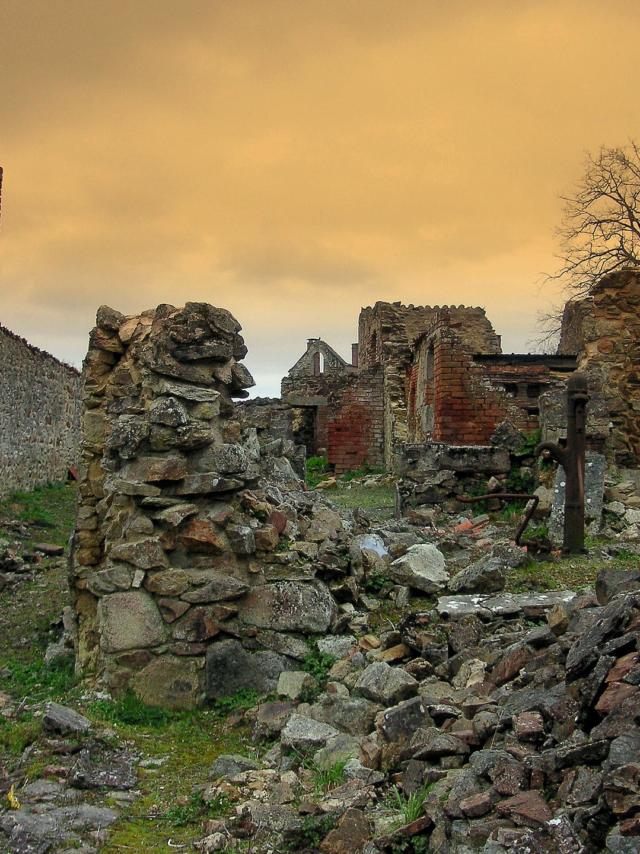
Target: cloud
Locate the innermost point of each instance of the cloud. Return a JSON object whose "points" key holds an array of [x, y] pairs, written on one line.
{"points": [[294, 161]]}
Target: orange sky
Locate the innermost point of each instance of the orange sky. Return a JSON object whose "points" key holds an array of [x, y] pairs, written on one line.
{"points": [[293, 160]]}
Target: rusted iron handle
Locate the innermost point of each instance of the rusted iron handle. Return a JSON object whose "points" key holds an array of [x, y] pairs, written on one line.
{"points": [[508, 496]]}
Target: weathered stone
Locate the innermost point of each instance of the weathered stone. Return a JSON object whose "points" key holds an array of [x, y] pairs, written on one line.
{"points": [[484, 576], [349, 835], [304, 733], [430, 743], [154, 469], [353, 715], [610, 582], [229, 764], [64, 721], [289, 606], [399, 723], [200, 536], [385, 684], [169, 682], [112, 769], [175, 515], [170, 582], [337, 646], [129, 620], [271, 718], [422, 567], [622, 788], [230, 668], [169, 411], [217, 587], [115, 577], [266, 538], [325, 524], [294, 683], [241, 539], [171, 609], [527, 808], [145, 554]]}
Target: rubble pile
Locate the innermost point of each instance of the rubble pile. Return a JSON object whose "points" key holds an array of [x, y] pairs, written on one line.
{"points": [[508, 732]]}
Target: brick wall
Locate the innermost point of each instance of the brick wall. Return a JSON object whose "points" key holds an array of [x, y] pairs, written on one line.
{"points": [[452, 399], [355, 426]]}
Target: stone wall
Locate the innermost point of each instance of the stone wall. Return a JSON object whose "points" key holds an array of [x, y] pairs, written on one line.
{"points": [[183, 590], [40, 407], [460, 397], [604, 330], [387, 333]]}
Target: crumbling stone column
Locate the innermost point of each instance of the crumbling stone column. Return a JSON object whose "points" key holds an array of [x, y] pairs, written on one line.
{"points": [[174, 537]]}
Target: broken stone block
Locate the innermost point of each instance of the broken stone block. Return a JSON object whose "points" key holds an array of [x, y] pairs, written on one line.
{"points": [[230, 668], [422, 567], [305, 734], [385, 684], [169, 682], [64, 721]]}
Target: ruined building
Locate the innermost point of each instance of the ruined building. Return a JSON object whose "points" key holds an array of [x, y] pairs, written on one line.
{"points": [[419, 374]]}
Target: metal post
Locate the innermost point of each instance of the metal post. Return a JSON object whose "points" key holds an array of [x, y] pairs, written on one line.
{"points": [[571, 458]]}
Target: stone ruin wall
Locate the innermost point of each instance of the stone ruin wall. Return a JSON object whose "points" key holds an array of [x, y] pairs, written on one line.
{"points": [[386, 336], [604, 331], [189, 578], [452, 399], [40, 409], [355, 423]]}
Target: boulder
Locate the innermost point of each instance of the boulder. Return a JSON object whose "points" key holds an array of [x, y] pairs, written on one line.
{"points": [[422, 567], [385, 684]]}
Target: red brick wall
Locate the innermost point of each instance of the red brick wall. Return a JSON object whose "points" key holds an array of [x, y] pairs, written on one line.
{"points": [[355, 425], [467, 408]]}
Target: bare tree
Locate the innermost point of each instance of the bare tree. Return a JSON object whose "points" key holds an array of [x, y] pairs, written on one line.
{"points": [[600, 229]]}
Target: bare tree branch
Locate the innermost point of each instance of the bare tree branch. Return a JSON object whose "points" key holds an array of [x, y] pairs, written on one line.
{"points": [[600, 228]]}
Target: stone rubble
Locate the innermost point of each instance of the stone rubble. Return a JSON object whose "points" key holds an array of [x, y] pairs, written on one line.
{"points": [[514, 733]]}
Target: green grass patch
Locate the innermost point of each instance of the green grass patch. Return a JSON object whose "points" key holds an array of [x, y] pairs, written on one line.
{"points": [[318, 664], [37, 681], [50, 510], [317, 471], [326, 778], [379, 500], [245, 698], [572, 572], [410, 806], [15, 735], [171, 806], [130, 710]]}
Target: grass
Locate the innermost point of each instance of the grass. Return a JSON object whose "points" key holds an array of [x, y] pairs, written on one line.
{"points": [[317, 471], [168, 806], [378, 500], [15, 735], [49, 510], [572, 572], [409, 806], [38, 681], [326, 778]]}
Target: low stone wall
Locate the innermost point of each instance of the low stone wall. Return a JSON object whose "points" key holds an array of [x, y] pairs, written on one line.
{"points": [[194, 576], [435, 474], [40, 407]]}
